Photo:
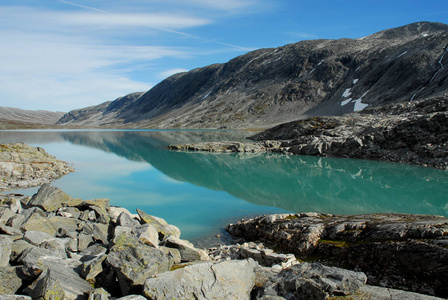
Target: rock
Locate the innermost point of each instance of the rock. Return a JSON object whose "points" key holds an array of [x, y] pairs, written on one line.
{"points": [[134, 262], [99, 294], [147, 234], [187, 251], [225, 280], [68, 212], [98, 231], [37, 237], [84, 241], [18, 247], [314, 281], [380, 293], [162, 226], [5, 250], [114, 213], [37, 222], [51, 198], [5, 214], [91, 268], [172, 254], [14, 297], [94, 250], [61, 283], [127, 220], [132, 297], [4, 229], [394, 250], [68, 224], [10, 281]]}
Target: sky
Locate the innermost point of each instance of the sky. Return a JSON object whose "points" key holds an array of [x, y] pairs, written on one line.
{"points": [[61, 55]]}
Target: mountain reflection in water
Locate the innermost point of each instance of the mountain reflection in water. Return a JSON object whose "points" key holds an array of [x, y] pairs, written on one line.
{"points": [[274, 183]]}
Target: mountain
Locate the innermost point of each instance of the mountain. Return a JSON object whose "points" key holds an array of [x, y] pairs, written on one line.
{"points": [[15, 117], [272, 86]]}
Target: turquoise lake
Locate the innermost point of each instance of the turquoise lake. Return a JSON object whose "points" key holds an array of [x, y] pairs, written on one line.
{"points": [[202, 192]]}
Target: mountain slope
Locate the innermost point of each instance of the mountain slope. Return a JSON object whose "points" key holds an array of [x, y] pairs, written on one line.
{"points": [[318, 77], [16, 115]]}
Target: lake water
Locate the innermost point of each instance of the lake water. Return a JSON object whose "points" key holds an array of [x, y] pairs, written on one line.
{"points": [[202, 192]]}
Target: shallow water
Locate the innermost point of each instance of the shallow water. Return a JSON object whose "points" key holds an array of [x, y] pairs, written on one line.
{"points": [[202, 192]]}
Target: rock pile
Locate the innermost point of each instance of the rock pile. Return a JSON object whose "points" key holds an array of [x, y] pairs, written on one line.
{"points": [[409, 252], [24, 166]]}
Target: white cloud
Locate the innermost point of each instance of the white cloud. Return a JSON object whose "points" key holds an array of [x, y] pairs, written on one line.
{"points": [[170, 72]]}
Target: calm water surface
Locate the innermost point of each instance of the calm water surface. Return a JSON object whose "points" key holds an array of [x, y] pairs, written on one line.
{"points": [[202, 192]]}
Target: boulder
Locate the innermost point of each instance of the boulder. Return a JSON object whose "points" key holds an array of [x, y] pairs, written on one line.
{"points": [[115, 211], [313, 281], [51, 198], [14, 297], [162, 226], [187, 251], [147, 234], [91, 268], [134, 262], [10, 281], [99, 294], [37, 237], [37, 222], [8, 230], [18, 247], [205, 280], [127, 220], [5, 250], [68, 224], [59, 283]]}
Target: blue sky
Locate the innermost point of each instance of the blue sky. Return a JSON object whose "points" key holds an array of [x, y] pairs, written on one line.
{"points": [[61, 55]]}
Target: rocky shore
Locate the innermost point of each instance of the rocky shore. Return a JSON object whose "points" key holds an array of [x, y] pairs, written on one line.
{"points": [[56, 247], [410, 132], [23, 166]]}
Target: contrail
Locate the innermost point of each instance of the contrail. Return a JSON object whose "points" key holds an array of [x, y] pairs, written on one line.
{"points": [[161, 28]]}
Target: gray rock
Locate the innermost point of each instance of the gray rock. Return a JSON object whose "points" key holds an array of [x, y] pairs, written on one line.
{"points": [[91, 268], [37, 222], [134, 262], [132, 297], [56, 246], [51, 198], [99, 294], [94, 250], [84, 241], [5, 250], [381, 293], [4, 229], [98, 232], [162, 226], [5, 214], [172, 254], [16, 221], [59, 283], [147, 234], [68, 224], [37, 237], [126, 220], [225, 280], [314, 281], [187, 250], [115, 211], [18, 247], [68, 212], [14, 297], [10, 281]]}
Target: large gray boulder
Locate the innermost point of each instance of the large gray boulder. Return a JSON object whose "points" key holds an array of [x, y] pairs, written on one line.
{"points": [[313, 281], [51, 198], [37, 222], [163, 227], [134, 262], [225, 280]]}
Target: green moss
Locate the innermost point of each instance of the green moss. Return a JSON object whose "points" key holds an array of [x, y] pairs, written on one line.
{"points": [[293, 217], [338, 244]]}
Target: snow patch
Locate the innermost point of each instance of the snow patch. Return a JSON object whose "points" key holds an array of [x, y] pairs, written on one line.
{"points": [[358, 103], [208, 94], [320, 62], [355, 81], [402, 54], [346, 101], [346, 93]]}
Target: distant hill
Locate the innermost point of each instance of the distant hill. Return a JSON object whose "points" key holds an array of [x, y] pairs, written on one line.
{"points": [[272, 86], [16, 116]]}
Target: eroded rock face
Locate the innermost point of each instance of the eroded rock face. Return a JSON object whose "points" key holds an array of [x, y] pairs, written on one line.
{"points": [[395, 250], [23, 166]]}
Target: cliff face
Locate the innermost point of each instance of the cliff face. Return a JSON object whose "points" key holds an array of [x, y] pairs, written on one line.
{"points": [[310, 78]]}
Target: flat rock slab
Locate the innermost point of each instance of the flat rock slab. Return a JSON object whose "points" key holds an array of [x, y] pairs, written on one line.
{"points": [[403, 251], [23, 166], [226, 280]]}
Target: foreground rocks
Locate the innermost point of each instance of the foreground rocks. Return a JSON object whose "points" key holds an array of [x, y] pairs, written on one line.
{"points": [[394, 250], [53, 246], [23, 166], [411, 132]]}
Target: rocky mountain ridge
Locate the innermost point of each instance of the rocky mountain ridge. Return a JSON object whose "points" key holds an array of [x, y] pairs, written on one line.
{"points": [[28, 117], [267, 87]]}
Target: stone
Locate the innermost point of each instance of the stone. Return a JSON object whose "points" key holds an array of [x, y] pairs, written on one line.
{"points": [[162, 226], [60, 283], [68, 212], [187, 251], [56, 246], [91, 268], [172, 254], [147, 234], [10, 281], [51, 198], [134, 262], [5, 250], [127, 220], [314, 281], [5, 214], [68, 224], [4, 229], [381, 293], [37, 222], [37, 237], [18, 247], [132, 297], [115, 211], [94, 250], [99, 294], [98, 231], [14, 297], [84, 241], [16, 221], [205, 280]]}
